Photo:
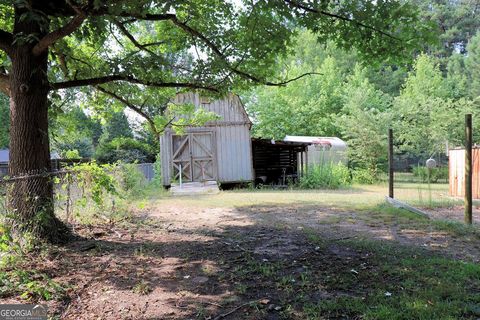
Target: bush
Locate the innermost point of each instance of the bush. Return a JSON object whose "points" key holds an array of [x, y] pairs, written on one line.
{"points": [[436, 174], [83, 146], [364, 176], [327, 176], [126, 150], [71, 154], [95, 181], [134, 181], [157, 169]]}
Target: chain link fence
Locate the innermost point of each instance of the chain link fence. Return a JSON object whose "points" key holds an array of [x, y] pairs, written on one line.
{"points": [[78, 195], [30, 192]]}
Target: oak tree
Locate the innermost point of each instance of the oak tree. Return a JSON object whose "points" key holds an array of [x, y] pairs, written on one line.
{"points": [[138, 51]]}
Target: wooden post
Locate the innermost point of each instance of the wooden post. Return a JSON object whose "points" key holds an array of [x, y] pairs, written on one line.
{"points": [[390, 163], [180, 176], [306, 160], [468, 168], [301, 164]]}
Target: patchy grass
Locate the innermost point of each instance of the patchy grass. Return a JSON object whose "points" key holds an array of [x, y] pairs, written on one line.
{"points": [[30, 285], [20, 274], [456, 228], [142, 288], [355, 197], [362, 280], [385, 214]]}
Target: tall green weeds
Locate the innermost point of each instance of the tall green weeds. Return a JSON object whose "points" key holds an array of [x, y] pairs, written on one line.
{"points": [[327, 176]]}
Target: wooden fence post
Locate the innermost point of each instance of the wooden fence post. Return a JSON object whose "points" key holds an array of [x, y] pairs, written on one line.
{"points": [[468, 168], [390, 163]]}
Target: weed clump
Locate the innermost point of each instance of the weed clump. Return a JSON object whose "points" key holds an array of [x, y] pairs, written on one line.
{"points": [[327, 176]]}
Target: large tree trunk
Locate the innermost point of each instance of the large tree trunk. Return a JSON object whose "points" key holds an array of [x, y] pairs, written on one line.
{"points": [[31, 197]]}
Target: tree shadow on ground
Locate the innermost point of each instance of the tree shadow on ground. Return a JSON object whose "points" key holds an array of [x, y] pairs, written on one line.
{"points": [[259, 264]]}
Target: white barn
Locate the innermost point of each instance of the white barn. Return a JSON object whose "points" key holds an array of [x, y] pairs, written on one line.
{"points": [[219, 151]]}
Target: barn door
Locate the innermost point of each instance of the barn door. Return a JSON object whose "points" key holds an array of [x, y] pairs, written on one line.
{"points": [[203, 160], [194, 155], [182, 160]]}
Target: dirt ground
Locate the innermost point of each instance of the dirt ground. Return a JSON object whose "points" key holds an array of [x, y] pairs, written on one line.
{"points": [[179, 261]]}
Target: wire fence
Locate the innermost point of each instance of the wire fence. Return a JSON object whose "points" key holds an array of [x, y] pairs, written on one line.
{"points": [[425, 183], [31, 192], [78, 195]]}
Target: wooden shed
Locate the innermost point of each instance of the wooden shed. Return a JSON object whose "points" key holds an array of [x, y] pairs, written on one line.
{"points": [[218, 151], [456, 168], [278, 162]]}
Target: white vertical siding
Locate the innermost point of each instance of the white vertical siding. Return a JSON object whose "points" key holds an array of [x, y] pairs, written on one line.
{"points": [[232, 135], [234, 153], [166, 157]]}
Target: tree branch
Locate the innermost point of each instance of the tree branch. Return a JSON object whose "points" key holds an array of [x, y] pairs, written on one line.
{"points": [[60, 33], [133, 107], [298, 5], [132, 38], [195, 33], [146, 17], [294, 79], [182, 25], [6, 39], [112, 78], [102, 11]]}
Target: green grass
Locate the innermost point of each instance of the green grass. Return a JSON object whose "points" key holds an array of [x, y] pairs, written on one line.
{"points": [[355, 197], [142, 288], [422, 286], [456, 228], [388, 282], [408, 177], [403, 219], [367, 201]]}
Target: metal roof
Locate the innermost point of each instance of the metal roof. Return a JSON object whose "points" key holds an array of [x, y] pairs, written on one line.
{"points": [[279, 143], [334, 142], [4, 155]]}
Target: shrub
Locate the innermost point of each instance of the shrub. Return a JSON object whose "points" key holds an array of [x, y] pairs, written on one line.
{"points": [[329, 176], [95, 180], [72, 154], [157, 169], [83, 146], [364, 176], [134, 181], [126, 150], [436, 174], [90, 191]]}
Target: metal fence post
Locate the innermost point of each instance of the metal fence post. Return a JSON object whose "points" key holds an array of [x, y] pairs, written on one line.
{"points": [[69, 194], [390, 163]]}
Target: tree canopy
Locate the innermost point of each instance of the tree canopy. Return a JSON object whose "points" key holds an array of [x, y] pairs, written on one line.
{"points": [[424, 100], [121, 47]]}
